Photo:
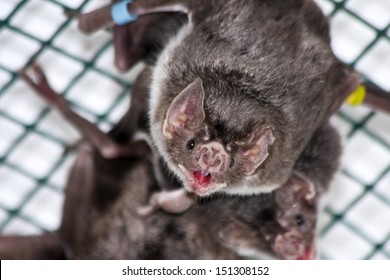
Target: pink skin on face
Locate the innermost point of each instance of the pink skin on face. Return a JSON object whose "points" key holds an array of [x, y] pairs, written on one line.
{"points": [[309, 254], [202, 177], [291, 245], [199, 182], [210, 159]]}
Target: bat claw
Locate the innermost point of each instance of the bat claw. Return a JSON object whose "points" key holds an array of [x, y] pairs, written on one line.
{"points": [[175, 202], [37, 78], [146, 211]]}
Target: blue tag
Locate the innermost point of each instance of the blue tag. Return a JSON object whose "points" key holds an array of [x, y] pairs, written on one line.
{"points": [[120, 14]]}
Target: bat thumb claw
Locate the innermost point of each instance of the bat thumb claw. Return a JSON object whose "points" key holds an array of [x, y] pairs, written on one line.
{"points": [[145, 211]]}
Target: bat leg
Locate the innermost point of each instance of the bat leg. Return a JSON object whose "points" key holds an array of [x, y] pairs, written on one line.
{"points": [[377, 98], [127, 52], [129, 11], [77, 204], [177, 201], [131, 41], [41, 247], [144, 39], [107, 147]]}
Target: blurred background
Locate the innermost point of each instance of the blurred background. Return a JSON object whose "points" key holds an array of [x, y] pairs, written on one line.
{"points": [[355, 223]]}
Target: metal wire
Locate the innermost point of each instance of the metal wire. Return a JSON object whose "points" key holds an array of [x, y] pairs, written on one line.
{"points": [[8, 214]]}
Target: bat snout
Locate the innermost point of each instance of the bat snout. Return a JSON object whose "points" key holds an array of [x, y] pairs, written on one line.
{"points": [[292, 246], [212, 157]]}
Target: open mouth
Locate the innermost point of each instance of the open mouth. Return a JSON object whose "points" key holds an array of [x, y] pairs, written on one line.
{"points": [[201, 181], [202, 177], [307, 255]]}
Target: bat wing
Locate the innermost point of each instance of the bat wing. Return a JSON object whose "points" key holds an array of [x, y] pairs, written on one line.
{"points": [[40, 247], [77, 210]]}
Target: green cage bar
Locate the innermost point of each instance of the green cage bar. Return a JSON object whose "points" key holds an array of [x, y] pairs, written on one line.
{"points": [[353, 223]]}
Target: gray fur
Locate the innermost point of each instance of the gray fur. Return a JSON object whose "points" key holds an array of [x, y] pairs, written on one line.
{"points": [[262, 63], [100, 219]]}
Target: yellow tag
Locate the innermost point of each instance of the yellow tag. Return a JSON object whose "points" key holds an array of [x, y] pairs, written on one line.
{"points": [[357, 97]]}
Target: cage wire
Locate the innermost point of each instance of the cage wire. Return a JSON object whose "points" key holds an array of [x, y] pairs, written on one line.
{"points": [[355, 222]]}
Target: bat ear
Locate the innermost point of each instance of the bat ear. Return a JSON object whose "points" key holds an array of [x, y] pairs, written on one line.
{"points": [[254, 150], [296, 188], [186, 110]]}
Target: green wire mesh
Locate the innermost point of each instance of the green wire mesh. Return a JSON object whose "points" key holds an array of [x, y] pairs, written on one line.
{"points": [[380, 248], [35, 196], [86, 65]]}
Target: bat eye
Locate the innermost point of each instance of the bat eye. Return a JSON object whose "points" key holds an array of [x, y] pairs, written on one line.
{"points": [[300, 220], [231, 163], [191, 144]]}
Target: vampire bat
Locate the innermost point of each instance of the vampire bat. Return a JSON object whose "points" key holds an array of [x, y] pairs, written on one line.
{"points": [[144, 39], [100, 218], [232, 105], [239, 90], [149, 30], [279, 225]]}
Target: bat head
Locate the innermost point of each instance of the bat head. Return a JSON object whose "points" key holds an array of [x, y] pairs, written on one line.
{"points": [[206, 163], [296, 215], [279, 225]]}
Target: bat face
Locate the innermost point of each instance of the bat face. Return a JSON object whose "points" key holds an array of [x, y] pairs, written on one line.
{"points": [[214, 164], [279, 225], [296, 216], [204, 166], [302, 81], [298, 223], [205, 162]]}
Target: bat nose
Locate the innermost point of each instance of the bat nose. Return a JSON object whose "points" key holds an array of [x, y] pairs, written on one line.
{"points": [[205, 158], [215, 163], [210, 162], [211, 157]]}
